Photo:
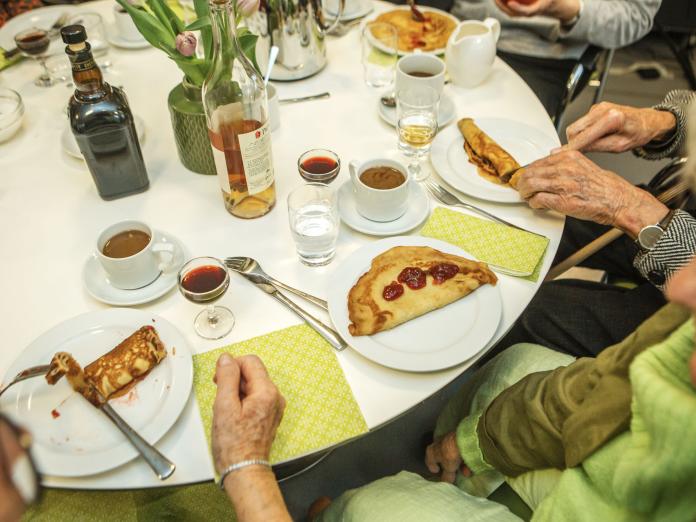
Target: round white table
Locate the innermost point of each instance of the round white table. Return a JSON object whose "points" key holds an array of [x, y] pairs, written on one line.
{"points": [[50, 215]]}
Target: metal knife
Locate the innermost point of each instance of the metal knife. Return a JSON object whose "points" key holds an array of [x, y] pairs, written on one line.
{"points": [[328, 333]]}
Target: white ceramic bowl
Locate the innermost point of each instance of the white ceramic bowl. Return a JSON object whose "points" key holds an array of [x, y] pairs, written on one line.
{"points": [[11, 113]]}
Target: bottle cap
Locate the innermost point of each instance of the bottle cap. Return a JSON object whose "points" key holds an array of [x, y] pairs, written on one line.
{"points": [[73, 34]]}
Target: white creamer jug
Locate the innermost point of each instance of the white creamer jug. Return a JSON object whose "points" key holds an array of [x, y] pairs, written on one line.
{"points": [[471, 51]]}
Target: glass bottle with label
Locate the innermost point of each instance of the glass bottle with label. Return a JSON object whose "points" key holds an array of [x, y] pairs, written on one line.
{"points": [[102, 123], [234, 97]]}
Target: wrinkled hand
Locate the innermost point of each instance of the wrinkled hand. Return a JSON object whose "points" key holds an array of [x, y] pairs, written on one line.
{"points": [[443, 455], [563, 10], [247, 411], [571, 184], [617, 128]]}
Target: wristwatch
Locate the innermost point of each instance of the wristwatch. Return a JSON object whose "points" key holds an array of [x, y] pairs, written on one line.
{"points": [[650, 235]]}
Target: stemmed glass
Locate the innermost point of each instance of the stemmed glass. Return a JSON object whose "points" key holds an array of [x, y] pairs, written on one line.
{"points": [[34, 43], [416, 112], [205, 280]]}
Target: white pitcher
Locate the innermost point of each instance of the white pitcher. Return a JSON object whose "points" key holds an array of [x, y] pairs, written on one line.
{"points": [[471, 51]]}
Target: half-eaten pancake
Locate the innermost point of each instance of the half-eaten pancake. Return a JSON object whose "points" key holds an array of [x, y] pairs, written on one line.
{"points": [[492, 161], [444, 278]]}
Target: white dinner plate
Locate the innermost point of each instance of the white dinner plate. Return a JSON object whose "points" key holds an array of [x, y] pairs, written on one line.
{"points": [[97, 282], [69, 145], [43, 18], [445, 114], [78, 439], [116, 40], [354, 9], [424, 9], [418, 210], [524, 143], [437, 340]]}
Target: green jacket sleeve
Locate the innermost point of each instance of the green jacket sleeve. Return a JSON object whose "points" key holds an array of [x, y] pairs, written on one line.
{"points": [[558, 418]]}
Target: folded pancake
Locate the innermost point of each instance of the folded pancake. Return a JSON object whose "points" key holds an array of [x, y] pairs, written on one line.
{"points": [[493, 162], [428, 35], [372, 309], [114, 371]]}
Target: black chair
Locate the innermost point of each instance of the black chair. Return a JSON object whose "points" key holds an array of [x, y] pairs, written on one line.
{"points": [[675, 22]]}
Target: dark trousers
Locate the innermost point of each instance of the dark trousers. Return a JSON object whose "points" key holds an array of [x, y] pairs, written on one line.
{"points": [[582, 318], [546, 77]]}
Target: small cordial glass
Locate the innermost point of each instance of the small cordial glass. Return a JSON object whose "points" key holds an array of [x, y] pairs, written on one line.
{"points": [[204, 280], [33, 43], [319, 166]]}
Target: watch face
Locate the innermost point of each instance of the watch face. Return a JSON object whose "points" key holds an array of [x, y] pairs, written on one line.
{"points": [[649, 236]]}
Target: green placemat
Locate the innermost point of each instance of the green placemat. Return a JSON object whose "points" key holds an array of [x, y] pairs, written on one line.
{"points": [[489, 241], [321, 410]]}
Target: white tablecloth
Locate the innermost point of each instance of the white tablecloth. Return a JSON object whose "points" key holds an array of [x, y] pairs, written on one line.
{"points": [[50, 215]]}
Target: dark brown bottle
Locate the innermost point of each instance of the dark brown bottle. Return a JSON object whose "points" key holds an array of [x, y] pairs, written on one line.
{"points": [[102, 123]]}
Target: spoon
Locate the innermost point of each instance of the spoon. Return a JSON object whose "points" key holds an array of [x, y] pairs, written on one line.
{"points": [[271, 62]]}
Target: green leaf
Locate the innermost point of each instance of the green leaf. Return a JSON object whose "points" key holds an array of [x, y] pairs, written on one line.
{"points": [[202, 11], [247, 41], [151, 28], [156, 7], [175, 22], [198, 24]]}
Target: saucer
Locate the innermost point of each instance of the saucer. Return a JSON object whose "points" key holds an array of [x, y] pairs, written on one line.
{"points": [[418, 211], [117, 41], [67, 140], [98, 286], [445, 114]]}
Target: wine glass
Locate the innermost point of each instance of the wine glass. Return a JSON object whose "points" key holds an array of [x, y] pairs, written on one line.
{"points": [[380, 44], [33, 43], [205, 280], [416, 113]]}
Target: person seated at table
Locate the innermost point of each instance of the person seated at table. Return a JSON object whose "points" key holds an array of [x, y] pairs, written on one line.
{"points": [[583, 317], [606, 438], [543, 40], [12, 8]]}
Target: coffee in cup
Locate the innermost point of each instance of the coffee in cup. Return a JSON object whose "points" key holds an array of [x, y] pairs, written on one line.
{"points": [[381, 188], [418, 69], [129, 255]]}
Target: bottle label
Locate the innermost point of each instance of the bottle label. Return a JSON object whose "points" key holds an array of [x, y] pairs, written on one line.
{"points": [[84, 66], [255, 147]]}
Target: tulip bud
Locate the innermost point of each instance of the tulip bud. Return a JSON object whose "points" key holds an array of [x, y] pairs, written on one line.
{"points": [[186, 43], [248, 7]]}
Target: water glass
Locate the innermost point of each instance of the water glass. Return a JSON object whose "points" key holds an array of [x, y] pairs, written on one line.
{"points": [[96, 34], [379, 53], [314, 222], [416, 113]]}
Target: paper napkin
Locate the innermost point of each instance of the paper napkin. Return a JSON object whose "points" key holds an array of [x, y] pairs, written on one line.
{"points": [[491, 242], [321, 410]]}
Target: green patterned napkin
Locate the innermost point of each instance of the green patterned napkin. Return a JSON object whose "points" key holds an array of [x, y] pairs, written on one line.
{"points": [[490, 242], [321, 410], [5, 63]]}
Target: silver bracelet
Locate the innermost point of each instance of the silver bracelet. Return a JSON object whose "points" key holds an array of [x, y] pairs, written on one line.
{"points": [[239, 465]]}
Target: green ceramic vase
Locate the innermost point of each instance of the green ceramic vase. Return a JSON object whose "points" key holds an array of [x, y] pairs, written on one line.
{"points": [[190, 128]]}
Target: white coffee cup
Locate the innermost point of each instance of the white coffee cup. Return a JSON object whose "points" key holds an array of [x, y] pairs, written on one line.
{"points": [[140, 269], [424, 63], [125, 28], [273, 106], [471, 51], [379, 204]]}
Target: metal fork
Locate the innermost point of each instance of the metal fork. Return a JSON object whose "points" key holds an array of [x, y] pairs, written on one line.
{"points": [[34, 371], [251, 268], [446, 197]]}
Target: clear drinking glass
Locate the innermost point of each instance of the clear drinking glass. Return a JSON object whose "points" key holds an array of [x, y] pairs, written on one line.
{"points": [[416, 112], [314, 222], [204, 280], [33, 43], [379, 53], [319, 166], [94, 25]]}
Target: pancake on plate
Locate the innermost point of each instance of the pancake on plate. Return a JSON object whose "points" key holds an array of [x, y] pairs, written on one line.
{"points": [[430, 35]]}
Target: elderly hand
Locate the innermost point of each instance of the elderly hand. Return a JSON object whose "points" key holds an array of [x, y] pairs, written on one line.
{"points": [[247, 411], [617, 128], [571, 184], [563, 10], [443, 455]]}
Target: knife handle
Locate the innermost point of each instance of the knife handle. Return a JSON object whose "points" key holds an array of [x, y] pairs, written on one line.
{"points": [[161, 465], [328, 333]]}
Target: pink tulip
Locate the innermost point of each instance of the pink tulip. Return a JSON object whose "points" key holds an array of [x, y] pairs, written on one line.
{"points": [[186, 43], [248, 7]]}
